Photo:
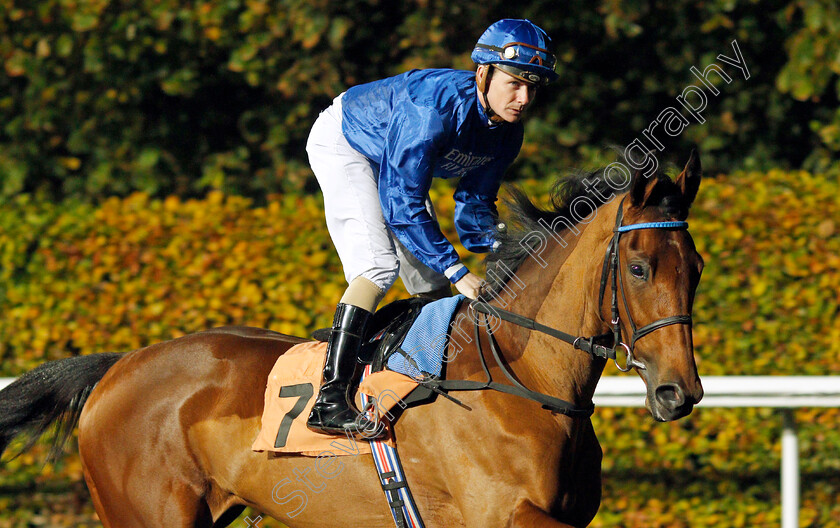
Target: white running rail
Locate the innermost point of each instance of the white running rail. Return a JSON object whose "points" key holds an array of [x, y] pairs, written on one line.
{"points": [[781, 392]]}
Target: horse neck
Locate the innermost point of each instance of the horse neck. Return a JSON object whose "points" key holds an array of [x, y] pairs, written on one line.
{"points": [[563, 295]]}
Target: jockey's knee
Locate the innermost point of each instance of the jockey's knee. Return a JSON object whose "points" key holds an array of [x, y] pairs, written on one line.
{"points": [[368, 289]]}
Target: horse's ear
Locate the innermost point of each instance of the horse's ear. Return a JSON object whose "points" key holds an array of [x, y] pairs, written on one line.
{"points": [[641, 188], [689, 179]]}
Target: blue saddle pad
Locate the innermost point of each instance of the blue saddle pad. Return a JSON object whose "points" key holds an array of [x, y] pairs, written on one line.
{"points": [[425, 343]]}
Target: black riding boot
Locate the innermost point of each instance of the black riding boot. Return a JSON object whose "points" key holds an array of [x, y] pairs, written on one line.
{"points": [[334, 412]]}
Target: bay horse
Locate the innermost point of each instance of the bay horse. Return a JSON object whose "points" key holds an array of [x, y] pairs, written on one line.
{"points": [[165, 432]]}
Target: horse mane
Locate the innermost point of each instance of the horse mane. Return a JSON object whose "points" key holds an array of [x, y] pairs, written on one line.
{"points": [[525, 217]]}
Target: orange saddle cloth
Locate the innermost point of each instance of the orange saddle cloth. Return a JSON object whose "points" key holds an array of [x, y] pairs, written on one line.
{"points": [[292, 387]]}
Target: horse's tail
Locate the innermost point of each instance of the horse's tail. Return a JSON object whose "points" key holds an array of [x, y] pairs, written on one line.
{"points": [[54, 392]]}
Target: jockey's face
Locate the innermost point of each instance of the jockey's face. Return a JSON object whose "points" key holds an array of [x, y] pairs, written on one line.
{"points": [[509, 96]]}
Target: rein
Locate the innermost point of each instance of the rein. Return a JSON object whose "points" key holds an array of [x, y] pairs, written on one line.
{"points": [[517, 389], [610, 268]]}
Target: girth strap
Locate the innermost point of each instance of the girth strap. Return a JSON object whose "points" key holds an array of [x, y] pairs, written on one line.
{"points": [[392, 478]]}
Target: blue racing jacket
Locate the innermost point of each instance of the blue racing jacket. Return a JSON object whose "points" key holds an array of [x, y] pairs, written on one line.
{"points": [[423, 124]]}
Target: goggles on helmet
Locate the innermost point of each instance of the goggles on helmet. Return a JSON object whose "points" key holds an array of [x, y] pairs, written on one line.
{"points": [[523, 53]]}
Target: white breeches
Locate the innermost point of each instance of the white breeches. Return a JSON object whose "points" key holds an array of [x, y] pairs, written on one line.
{"points": [[365, 245]]}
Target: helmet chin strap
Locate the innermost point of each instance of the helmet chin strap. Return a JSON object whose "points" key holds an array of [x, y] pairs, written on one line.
{"points": [[483, 83]]}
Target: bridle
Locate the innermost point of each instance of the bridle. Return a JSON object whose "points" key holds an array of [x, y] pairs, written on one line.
{"points": [[610, 270]]}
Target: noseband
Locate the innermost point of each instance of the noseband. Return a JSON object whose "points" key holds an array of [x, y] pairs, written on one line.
{"points": [[610, 269]]}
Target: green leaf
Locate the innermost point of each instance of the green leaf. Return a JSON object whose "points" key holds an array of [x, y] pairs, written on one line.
{"points": [[84, 21]]}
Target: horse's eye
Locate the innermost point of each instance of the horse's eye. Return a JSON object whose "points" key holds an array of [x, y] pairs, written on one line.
{"points": [[637, 270]]}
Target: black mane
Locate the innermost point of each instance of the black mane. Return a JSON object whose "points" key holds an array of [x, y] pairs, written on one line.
{"points": [[525, 217]]}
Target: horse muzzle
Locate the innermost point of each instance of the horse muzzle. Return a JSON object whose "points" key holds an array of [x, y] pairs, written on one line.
{"points": [[670, 401]]}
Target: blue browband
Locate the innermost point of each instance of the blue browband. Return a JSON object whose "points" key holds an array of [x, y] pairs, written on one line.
{"points": [[653, 225]]}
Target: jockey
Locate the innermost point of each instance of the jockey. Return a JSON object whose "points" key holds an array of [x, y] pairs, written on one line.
{"points": [[374, 153]]}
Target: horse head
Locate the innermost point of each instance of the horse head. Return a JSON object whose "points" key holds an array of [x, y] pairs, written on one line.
{"points": [[657, 272], [625, 275]]}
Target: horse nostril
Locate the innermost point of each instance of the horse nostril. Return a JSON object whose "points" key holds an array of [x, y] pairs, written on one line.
{"points": [[670, 396]]}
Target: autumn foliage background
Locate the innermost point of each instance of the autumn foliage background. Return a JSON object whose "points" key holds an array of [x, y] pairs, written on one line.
{"points": [[153, 183]]}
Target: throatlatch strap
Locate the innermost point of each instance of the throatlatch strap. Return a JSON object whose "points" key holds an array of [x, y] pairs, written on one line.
{"points": [[392, 478]]}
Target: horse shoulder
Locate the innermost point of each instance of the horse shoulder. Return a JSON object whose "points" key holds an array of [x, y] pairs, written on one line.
{"points": [[484, 460]]}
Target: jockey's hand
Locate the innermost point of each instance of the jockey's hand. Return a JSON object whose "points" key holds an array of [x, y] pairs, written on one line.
{"points": [[469, 285]]}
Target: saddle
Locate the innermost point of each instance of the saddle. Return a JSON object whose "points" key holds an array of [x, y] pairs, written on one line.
{"points": [[293, 382], [385, 335]]}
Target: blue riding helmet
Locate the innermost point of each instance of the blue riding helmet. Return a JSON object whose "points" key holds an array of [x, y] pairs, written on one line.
{"points": [[518, 47]]}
